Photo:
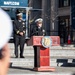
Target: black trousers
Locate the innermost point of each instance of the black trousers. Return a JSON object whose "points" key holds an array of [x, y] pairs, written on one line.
{"points": [[19, 40], [36, 56]]}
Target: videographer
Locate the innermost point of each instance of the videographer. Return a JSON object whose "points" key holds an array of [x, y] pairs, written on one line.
{"points": [[4, 61]]}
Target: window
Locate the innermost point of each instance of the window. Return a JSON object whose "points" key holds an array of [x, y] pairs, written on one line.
{"points": [[64, 3]]}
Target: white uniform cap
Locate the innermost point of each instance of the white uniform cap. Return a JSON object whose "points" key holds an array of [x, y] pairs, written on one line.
{"points": [[19, 14], [39, 20]]}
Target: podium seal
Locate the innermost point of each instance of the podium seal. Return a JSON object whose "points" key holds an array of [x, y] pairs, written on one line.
{"points": [[46, 41]]}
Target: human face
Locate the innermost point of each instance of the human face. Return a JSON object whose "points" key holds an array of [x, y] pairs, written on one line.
{"points": [[20, 17], [39, 24]]}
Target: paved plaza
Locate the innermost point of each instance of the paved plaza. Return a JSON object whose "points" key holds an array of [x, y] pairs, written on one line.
{"points": [[62, 59], [29, 71]]}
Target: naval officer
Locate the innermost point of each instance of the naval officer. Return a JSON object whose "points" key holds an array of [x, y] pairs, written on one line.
{"points": [[38, 30], [19, 35]]}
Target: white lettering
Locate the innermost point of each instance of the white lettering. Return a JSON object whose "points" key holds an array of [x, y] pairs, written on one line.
{"points": [[11, 3]]}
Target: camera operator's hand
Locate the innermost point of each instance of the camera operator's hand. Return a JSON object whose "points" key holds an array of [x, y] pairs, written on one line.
{"points": [[4, 62]]}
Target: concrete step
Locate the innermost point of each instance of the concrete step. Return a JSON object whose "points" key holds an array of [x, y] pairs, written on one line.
{"points": [[60, 56], [62, 61], [25, 53], [54, 61], [56, 52], [11, 45], [63, 52], [27, 61]]}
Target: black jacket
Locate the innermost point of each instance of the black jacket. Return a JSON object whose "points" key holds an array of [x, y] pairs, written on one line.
{"points": [[19, 26], [38, 31]]}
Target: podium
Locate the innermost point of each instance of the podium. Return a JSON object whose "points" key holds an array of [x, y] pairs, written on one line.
{"points": [[43, 54]]}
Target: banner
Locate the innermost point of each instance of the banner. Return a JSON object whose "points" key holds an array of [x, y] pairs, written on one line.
{"points": [[22, 3]]}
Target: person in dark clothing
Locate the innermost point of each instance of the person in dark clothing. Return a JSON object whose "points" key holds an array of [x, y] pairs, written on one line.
{"points": [[19, 35], [38, 30]]}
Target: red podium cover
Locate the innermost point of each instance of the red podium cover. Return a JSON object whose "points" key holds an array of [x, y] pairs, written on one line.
{"points": [[36, 41], [43, 58]]}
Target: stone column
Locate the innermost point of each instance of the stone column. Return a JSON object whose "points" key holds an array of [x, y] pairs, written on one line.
{"points": [[53, 19], [35, 12], [46, 15], [30, 4]]}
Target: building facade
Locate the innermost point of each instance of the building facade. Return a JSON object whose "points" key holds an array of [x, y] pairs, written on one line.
{"points": [[57, 17]]}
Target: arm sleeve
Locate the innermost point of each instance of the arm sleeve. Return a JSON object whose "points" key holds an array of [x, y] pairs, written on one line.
{"points": [[15, 28], [31, 32]]}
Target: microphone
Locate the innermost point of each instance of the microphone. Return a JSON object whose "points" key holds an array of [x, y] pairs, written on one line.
{"points": [[35, 33], [43, 32]]}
